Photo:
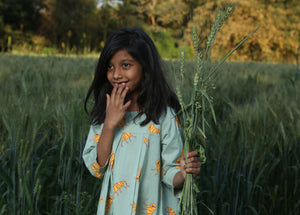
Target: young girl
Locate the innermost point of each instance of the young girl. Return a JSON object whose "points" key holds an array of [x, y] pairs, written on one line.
{"points": [[134, 143]]}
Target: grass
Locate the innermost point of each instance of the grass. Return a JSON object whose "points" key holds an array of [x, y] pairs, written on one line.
{"points": [[255, 145], [253, 152], [44, 130], [194, 113]]}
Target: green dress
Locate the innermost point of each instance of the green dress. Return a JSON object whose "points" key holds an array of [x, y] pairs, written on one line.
{"points": [[138, 176]]}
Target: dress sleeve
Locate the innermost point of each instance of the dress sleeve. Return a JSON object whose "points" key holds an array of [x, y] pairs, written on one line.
{"points": [[171, 148], [90, 152]]}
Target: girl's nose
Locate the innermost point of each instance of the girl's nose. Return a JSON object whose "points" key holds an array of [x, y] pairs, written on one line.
{"points": [[117, 74]]}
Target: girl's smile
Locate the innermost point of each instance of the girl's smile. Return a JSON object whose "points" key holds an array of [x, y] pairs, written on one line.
{"points": [[124, 69]]}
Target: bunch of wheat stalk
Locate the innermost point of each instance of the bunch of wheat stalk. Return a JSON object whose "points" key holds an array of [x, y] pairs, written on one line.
{"points": [[193, 114]]}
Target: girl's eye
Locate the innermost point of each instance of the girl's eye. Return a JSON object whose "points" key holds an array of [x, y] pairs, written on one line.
{"points": [[109, 67], [126, 65]]}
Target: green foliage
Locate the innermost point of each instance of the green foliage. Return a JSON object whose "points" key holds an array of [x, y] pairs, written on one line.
{"points": [[277, 40], [22, 14], [194, 113], [79, 26], [252, 152], [254, 147], [67, 23], [42, 136], [165, 44]]}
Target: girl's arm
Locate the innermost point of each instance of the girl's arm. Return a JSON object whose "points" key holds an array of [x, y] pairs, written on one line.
{"points": [[89, 153], [105, 143], [115, 111], [194, 168]]}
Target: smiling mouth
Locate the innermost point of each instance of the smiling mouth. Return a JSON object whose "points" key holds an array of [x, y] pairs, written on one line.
{"points": [[120, 83]]}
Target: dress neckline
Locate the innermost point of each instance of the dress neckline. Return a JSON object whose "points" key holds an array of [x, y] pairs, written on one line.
{"points": [[132, 113]]}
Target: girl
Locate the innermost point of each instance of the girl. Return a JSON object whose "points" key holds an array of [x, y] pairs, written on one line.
{"points": [[134, 143]]}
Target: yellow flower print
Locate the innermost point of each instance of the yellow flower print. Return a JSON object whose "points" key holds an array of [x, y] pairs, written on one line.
{"points": [[111, 163], [96, 138], [96, 169], [101, 199], [125, 137], [118, 186], [157, 168], [146, 141], [139, 175], [150, 209], [152, 129], [134, 207], [109, 200], [179, 159], [177, 122], [170, 211], [122, 122]]}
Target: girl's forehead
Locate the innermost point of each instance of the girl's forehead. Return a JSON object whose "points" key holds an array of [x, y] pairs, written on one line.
{"points": [[120, 55]]}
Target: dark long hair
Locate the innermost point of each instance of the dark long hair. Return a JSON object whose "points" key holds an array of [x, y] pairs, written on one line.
{"points": [[154, 95]]}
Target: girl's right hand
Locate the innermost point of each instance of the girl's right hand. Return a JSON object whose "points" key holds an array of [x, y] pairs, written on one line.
{"points": [[115, 107]]}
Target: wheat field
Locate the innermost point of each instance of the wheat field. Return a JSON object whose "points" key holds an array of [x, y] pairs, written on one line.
{"points": [[253, 151]]}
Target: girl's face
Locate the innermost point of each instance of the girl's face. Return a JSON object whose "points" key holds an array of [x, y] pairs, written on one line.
{"points": [[123, 68]]}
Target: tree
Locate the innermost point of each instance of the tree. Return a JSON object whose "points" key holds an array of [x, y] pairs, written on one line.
{"points": [[67, 21], [24, 15], [129, 14], [275, 41]]}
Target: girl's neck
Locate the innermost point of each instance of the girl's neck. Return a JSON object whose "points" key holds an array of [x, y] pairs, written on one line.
{"points": [[134, 105], [132, 108]]}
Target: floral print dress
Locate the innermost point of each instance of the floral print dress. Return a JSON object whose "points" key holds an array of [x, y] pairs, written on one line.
{"points": [[138, 176]]}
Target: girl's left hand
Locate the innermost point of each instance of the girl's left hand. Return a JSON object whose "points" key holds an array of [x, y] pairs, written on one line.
{"points": [[194, 164]]}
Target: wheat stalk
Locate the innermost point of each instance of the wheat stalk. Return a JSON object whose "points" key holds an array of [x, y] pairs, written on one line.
{"points": [[194, 114]]}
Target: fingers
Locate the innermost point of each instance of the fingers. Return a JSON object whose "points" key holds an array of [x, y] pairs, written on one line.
{"points": [[127, 104], [118, 95], [124, 93], [115, 107], [120, 90], [194, 163], [192, 157], [107, 100], [113, 92], [116, 92], [192, 154], [194, 170]]}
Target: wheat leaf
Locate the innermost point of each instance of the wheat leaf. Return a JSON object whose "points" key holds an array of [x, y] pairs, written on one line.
{"points": [[233, 50]]}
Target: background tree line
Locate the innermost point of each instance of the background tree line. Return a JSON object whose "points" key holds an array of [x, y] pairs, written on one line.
{"points": [[82, 26]]}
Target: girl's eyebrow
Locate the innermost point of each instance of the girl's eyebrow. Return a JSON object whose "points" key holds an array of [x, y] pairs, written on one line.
{"points": [[124, 60], [127, 60]]}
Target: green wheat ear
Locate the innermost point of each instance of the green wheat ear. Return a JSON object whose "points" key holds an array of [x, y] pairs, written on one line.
{"points": [[202, 155], [195, 113]]}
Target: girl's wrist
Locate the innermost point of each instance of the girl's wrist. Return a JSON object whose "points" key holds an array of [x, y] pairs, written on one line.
{"points": [[178, 180], [109, 125]]}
